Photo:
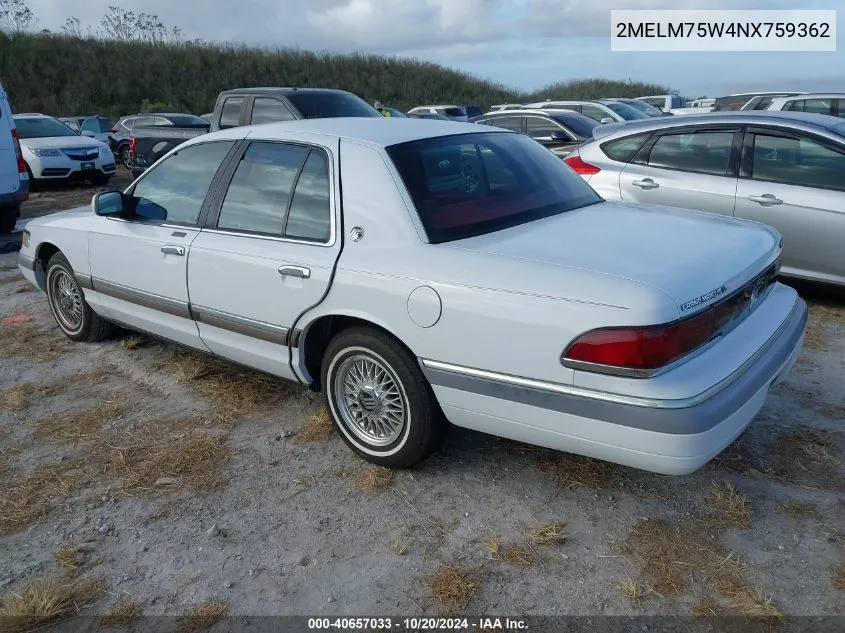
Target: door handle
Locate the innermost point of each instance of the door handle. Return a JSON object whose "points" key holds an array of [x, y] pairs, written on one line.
{"points": [[295, 271], [173, 250], [645, 183], [766, 199]]}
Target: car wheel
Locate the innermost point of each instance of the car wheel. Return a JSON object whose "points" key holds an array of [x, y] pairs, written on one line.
{"points": [[379, 399], [125, 158], [72, 313], [8, 216]]}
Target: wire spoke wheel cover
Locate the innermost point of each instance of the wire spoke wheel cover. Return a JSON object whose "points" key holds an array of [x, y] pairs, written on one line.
{"points": [[370, 399], [65, 299]]}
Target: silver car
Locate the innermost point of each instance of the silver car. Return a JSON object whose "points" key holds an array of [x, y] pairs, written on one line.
{"points": [[784, 169]]}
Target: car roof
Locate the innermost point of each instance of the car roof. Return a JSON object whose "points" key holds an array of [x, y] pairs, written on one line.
{"points": [[436, 106], [375, 131], [282, 89], [739, 116], [32, 115], [550, 112], [812, 95]]}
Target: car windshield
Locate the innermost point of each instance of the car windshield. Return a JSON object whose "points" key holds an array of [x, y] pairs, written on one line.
{"points": [[645, 108], [324, 105], [471, 184], [625, 111], [187, 120], [581, 125], [42, 127]]}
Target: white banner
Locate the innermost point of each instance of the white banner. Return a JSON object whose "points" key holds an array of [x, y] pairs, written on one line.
{"points": [[723, 30]]}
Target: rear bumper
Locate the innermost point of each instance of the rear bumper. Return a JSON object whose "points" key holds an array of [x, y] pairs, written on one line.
{"points": [[667, 436]]}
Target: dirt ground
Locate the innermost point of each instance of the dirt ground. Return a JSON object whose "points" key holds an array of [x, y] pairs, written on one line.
{"points": [[141, 479]]}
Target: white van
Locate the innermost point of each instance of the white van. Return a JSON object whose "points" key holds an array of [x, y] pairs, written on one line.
{"points": [[14, 181]]}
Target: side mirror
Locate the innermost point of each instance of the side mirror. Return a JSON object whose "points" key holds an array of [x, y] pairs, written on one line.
{"points": [[88, 133], [560, 135], [109, 203], [607, 119]]}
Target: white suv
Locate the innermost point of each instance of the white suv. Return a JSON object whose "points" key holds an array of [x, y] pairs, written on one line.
{"points": [[53, 151], [14, 181], [453, 112], [832, 103]]}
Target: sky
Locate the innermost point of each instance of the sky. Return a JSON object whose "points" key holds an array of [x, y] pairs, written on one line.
{"points": [[524, 44]]}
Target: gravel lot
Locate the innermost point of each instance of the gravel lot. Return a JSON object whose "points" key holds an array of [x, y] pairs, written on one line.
{"points": [[138, 478]]}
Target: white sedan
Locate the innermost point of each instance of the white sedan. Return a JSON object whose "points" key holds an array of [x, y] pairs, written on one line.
{"points": [[419, 272]]}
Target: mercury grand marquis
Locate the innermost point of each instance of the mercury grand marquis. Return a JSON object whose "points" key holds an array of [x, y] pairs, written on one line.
{"points": [[422, 273]]}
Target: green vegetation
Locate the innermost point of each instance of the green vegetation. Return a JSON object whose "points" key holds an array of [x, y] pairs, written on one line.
{"points": [[66, 75]]}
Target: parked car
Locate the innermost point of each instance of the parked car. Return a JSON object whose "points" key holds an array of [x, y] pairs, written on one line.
{"points": [[600, 110], [506, 106], [473, 112], [584, 337], [784, 169], [428, 115], [14, 180], [664, 102], [748, 101], [96, 126], [52, 151], [453, 112], [643, 106], [207, 116], [123, 131], [249, 106], [559, 130], [832, 103], [702, 103]]}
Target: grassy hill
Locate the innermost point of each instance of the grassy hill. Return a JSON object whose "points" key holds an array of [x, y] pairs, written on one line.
{"points": [[63, 75]]}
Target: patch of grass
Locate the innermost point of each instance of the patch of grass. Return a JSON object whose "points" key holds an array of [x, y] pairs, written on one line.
{"points": [[453, 588], [233, 388], [575, 471], [516, 555], [839, 577], [550, 534], [29, 499], [736, 458], [374, 479], [706, 608], [73, 426], [318, 426], [632, 589], [398, 541], [834, 412], [20, 396], [121, 614], [821, 315], [25, 289], [153, 461], [202, 616], [45, 600], [838, 539], [798, 509], [731, 506], [133, 342], [11, 279], [806, 446], [30, 341], [68, 557], [672, 555]]}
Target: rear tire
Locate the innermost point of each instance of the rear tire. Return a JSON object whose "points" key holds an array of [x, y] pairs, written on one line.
{"points": [[381, 403], [8, 216], [72, 313], [125, 158]]}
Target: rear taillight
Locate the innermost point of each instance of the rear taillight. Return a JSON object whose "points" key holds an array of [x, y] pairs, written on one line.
{"points": [[19, 153], [640, 350], [132, 142], [579, 166]]}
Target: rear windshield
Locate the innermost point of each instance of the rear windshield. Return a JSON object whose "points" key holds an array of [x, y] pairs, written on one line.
{"points": [[625, 111], [327, 105], [471, 184], [581, 125], [42, 127], [452, 111], [187, 120], [731, 103], [473, 111]]}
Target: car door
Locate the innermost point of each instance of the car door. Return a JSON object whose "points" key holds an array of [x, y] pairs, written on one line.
{"points": [[267, 251], [795, 184], [139, 261], [546, 132], [692, 168]]}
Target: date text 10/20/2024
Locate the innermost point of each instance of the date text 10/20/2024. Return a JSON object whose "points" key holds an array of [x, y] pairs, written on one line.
{"points": [[417, 624]]}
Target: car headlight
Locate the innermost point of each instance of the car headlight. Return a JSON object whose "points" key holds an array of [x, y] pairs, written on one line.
{"points": [[45, 152], [25, 238]]}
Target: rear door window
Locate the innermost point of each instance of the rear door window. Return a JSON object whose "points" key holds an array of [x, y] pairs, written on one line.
{"points": [[594, 112], [541, 128], [818, 106], [230, 114], [797, 161], [513, 123], [309, 216], [266, 110], [701, 152]]}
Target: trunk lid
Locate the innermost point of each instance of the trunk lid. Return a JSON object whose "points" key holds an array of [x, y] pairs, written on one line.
{"points": [[693, 257]]}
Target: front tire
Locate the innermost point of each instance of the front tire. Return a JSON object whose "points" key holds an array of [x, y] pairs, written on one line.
{"points": [[72, 313], [381, 403]]}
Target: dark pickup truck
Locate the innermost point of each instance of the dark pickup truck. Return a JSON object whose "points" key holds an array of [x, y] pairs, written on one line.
{"points": [[248, 106]]}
